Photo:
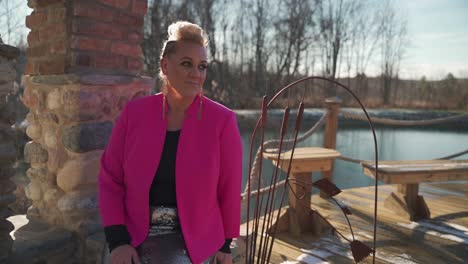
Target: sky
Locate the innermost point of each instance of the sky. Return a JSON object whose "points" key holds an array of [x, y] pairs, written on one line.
{"points": [[438, 32]]}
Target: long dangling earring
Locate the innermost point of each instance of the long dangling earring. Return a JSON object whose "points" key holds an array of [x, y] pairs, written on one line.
{"points": [[200, 105], [164, 104]]}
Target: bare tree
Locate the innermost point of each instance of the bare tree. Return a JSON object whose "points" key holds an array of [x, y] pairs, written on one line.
{"points": [[260, 21], [11, 21], [293, 36], [334, 19], [393, 42]]}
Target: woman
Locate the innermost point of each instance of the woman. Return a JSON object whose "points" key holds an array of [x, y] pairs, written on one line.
{"points": [[170, 179]]}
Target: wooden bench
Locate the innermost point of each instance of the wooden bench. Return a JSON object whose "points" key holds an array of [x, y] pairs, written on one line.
{"points": [[299, 217], [407, 175]]}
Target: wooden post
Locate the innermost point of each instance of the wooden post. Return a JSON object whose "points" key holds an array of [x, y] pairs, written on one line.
{"points": [[299, 203], [329, 139]]}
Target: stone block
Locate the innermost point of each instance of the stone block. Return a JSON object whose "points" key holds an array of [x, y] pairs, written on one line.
{"points": [[39, 174], [33, 191], [80, 100], [97, 251], [98, 79], [57, 156], [35, 153], [80, 171], [50, 138], [52, 195], [37, 242], [54, 100], [34, 131], [87, 137], [79, 202]]}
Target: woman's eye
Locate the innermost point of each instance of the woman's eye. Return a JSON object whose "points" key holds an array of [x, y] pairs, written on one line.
{"points": [[186, 64], [203, 67]]}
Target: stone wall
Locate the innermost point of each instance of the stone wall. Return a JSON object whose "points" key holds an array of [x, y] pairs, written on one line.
{"points": [[84, 65], [8, 55], [71, 117]]}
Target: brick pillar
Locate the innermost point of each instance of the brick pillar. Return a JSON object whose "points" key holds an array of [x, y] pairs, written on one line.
{"points": [[84, 64], [7, 147]]}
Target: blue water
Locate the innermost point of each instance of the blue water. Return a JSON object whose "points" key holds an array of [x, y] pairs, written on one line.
{"points": [[393, 144]]}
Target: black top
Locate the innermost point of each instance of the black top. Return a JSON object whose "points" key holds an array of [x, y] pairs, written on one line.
{"points": [[162, 193]]}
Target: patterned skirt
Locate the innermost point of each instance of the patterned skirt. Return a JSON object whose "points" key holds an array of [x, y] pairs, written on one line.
{"points": [[165, 243]]}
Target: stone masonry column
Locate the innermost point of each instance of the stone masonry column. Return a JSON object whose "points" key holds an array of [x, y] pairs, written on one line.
{"points": [[84, 65], [8, 54]]}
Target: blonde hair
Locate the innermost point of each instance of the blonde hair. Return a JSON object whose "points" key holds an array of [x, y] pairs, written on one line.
{"points": [[181, 31]]}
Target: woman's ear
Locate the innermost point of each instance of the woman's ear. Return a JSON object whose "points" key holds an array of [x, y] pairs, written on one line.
{"points": [[163, 65]]}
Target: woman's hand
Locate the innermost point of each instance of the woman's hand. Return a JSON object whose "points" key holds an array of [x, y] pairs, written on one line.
{"points": [[222, 258], [124, 254]]}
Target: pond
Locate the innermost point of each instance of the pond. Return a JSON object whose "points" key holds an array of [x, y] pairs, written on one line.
{"points": [[355, 141]]}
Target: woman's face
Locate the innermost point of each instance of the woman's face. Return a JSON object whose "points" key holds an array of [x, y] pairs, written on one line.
{"points": [[185, 69]]}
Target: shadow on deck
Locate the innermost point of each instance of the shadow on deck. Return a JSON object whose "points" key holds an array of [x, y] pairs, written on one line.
{"points": [[441, 239]]}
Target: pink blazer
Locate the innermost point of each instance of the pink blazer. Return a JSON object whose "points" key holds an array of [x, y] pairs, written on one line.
{"points": [[208, 173]]}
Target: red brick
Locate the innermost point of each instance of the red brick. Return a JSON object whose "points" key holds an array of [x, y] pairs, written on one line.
{"points": [[135, 64], [109, 61], [57, 15], [54, 66], [139, 6], [103, 30], [43, 3], [58, 47], [133, 21], [33, 38], [92, 10], [134, 37], [87, 43], [36, 20], [81, 59], [122, 4], [29, 68], [53, 31], [37, 51], [123, 48]]}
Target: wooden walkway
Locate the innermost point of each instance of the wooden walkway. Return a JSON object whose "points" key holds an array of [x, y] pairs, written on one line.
{"points": [[441, 239]]}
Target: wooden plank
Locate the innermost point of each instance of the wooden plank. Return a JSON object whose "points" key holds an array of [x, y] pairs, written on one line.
{"points": [[303, 154], [300, 166], [418, 177], [439, 240], [399, 166]]}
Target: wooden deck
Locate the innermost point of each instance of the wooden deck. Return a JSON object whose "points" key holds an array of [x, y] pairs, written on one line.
{"points": [[441, 239]]}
